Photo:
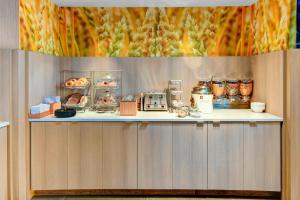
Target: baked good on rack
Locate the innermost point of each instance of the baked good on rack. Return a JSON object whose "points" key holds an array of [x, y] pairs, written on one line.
{"points": [[106, 83], [106, 100], [83, 101], [83, 80], [77, 82], [73, 99], [70, 82], [102, 83], [76, 99], [112, 83]]}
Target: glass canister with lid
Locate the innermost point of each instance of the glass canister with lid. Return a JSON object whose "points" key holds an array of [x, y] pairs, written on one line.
{"points": [[175, 95], [246, 89], [219, 88], [233, 87]]}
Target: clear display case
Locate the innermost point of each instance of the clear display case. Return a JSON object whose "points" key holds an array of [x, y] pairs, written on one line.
{"points": [[105, 101], [107, 90], [100, 91], [75, 89]]}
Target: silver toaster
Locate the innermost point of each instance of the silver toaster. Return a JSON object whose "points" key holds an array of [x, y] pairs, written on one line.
{"points": [[155, 101]]}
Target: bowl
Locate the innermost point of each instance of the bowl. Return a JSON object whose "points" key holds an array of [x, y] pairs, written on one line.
{"points": [[65, 113], [258, 107]]}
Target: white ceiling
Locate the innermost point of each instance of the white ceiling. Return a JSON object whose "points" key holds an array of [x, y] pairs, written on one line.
{"points": [[152, 3]]}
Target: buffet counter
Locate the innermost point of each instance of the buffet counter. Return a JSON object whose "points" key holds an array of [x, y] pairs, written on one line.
{"points": [[231, 150], [3, 124], [229, 115]]}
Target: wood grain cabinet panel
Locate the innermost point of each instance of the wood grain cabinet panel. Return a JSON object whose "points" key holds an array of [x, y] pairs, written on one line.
{"points": [[119, 155], [3, 163], [189, 156], [225, 156], [85, 155], [49, 156], [155, 155], [262, 156]]}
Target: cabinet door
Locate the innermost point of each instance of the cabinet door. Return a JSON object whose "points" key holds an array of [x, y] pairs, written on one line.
{"points": [[119, 155], [85, 155], [189, 156], [49, 156], [3, 164], [262, 156], [155, 155], [225, 156]]}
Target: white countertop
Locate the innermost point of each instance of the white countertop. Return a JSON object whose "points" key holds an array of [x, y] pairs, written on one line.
{"points": [[227, 115], [3, 124]]}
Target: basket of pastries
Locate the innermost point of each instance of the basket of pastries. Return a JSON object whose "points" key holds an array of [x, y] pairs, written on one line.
{"points": [[76, 100], [77, 83]]}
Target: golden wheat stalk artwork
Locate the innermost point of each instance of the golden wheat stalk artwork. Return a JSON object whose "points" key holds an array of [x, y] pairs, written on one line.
{"points": [[149, 32]]}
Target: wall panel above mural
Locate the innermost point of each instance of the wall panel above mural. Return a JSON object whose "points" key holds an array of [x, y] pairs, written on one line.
{"points": [[150, 32]]}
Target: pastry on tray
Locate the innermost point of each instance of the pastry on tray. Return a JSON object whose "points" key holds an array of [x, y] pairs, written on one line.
{"points": [[106, 100], [77, 82], [76, 99], [106, 83]]}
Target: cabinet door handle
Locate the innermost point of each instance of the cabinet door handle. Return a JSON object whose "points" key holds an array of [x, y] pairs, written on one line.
{"points": [[200, 123], [144, 124], [253, 123], [216, 123]]}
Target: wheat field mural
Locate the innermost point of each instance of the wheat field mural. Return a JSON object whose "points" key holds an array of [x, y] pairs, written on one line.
{"points": [[149, 32]]}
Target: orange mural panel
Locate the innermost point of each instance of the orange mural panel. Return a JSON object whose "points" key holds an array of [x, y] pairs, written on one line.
{"points": [[151, 32]]}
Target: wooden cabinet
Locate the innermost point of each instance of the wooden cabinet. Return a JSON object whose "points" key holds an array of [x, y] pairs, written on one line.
{"points": [[85, 155], [49, 156], [119, 155], [155, 155], [66, 156], [262, 156], [244, 156], [225, 156], [189, 156], [3, 164]]}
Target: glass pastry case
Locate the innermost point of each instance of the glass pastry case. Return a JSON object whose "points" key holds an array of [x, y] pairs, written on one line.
{"points": [[99, 91], [75, 89], [107, 90]]}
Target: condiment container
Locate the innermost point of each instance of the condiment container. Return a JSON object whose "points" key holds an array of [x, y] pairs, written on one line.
{"points": [[258, 107], [246, 87], [128, 107], [218, 87], [175, 94], [39, 115], [54, 107], [194, 113], [202, 99], [232, 87], [182, 112]]}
